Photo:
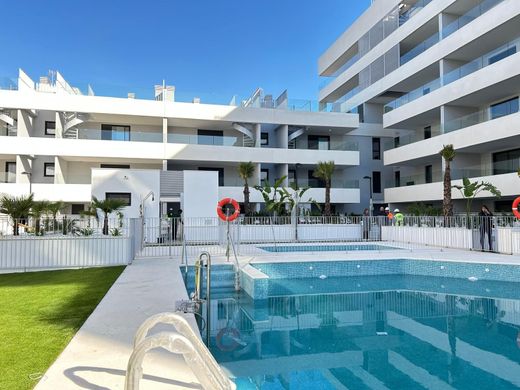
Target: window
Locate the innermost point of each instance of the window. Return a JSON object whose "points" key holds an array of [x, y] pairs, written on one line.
{"points": [[50, 128], [210, 137], [264, 139], [397, 179], [291, 176], [76, 209], [502, 55], [506, 162], [427, 132], [115, 133], [124, 196], [115, 166], [428, 174], [376, 148], [10, 172], [318, 142], [504, 108], [48, 169], [220, 174], [361, 113], [376, 182], [264, 176], [314, 182], [397, 142]]}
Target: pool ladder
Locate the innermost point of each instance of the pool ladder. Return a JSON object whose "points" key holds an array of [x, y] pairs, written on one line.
{"points": [[185, 342]]}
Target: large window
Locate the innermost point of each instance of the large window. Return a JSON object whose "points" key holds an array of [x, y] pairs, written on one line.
{"points": [[220, 174], [502, 55], [376, 182], [115, 132], [314, 182], [504, 108], [428, 174], [124, 196], [50, 128], [264, 139], [376, 148], [318, 142], [210, 137], [506, 162], [264, 176], [48, 169], [10, 172]]}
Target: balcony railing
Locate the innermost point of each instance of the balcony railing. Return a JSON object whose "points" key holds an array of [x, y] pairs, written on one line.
{"points": [[478, 117], [206, 140], [469, 16], [498, 168], [487, 59], [9, 83], [105, 135], [344, 146]]}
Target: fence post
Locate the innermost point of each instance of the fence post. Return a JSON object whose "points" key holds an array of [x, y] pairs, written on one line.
{"points": [[170, 237]]}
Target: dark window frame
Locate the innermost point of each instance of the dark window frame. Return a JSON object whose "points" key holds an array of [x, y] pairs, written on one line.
{"points": [[120, 195], [73, 205], [376, 148], [48, 129], [107, 132], [504, 102], [214, 134], [397, 178], [428, 174], [313, 139], [377, 188], [114, 166], [7, 172], [262, 181], [45, 166], [264, 137]]}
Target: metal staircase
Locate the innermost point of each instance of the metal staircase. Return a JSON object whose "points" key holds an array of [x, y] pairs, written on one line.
{"points": [[72, 120]]}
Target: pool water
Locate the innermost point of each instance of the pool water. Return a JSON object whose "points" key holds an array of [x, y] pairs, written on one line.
{"points": [[326, 248], [370, 332]]}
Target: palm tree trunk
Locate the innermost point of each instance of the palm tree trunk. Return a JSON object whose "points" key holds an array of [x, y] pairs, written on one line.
{"points": [[16, 230], [447, 204], [327, 198], [246, 199], [105, 225]]}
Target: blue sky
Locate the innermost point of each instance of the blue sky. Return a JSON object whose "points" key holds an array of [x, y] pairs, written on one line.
{"points": [[213, 49]]}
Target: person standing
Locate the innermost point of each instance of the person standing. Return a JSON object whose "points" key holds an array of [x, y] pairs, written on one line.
{"points": [[486, 227], [399, 218], [366, 224]]}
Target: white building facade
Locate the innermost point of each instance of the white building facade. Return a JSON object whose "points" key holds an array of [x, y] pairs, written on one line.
{"points": [[428, 73], [61, 144]]}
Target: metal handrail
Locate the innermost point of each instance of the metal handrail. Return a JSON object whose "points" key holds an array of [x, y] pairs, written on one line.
{"points": [[185, 330], [196, 357]]}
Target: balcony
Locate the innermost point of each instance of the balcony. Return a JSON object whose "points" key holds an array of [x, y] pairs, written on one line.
{"points": [[208, 140], [506, 183], [487, 59]]}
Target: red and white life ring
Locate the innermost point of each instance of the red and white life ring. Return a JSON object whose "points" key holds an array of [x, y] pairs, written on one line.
{"points": [[515, 207], [235, 335], [225, 202]]}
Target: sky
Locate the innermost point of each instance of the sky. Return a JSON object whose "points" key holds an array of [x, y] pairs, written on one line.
{"points": [[209, 48]]}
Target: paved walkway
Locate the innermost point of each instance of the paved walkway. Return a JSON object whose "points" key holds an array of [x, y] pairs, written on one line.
{"points": [[97, 356]]}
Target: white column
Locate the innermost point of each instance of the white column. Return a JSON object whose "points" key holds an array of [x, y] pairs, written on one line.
{"points": [[61, 168], [165, 140], [257, 132], [23, 164], [60, 124], [282, 136], [25, 124]]}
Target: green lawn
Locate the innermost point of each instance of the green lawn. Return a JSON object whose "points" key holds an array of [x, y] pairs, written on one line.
{"points": [[39, 314]]}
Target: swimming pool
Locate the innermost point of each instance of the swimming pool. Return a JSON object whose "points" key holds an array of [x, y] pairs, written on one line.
{"points": [[401, 324], [326, 248]]}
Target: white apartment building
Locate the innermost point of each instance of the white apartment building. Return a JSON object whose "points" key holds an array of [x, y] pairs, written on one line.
{"points": [[160, 154], [428, 73]]}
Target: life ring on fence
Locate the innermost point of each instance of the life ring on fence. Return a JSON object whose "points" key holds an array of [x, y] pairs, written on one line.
{"points": [[223, 216], [516, 213], [235, 336]]}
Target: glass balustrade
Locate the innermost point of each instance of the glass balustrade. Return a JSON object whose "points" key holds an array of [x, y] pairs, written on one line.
{"points": [[469, 16], [106, 135], [206, 140], [481, 62]]}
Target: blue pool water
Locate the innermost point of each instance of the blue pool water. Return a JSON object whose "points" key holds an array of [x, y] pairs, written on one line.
{"points": [[385, 329], [326, 248]]}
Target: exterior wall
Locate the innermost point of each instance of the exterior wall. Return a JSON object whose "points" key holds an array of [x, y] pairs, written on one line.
{"points": [[138, 182]]}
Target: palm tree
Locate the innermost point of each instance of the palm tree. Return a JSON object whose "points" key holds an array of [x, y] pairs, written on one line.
{"points": [[324, 171], [37, 210], [16, 207], [54, 208], [246, 171], [448, 154], [107, 206]]}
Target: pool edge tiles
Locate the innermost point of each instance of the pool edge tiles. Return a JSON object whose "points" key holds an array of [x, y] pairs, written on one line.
{"points": [[326, 247], [254, 282], [256, 276]]}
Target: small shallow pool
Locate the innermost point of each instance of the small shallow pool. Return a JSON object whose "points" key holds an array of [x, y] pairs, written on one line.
{"points": [[394, 324], [326, 248]]}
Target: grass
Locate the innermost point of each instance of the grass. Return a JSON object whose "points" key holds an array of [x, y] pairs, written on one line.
{"points": [[39, 314]]}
